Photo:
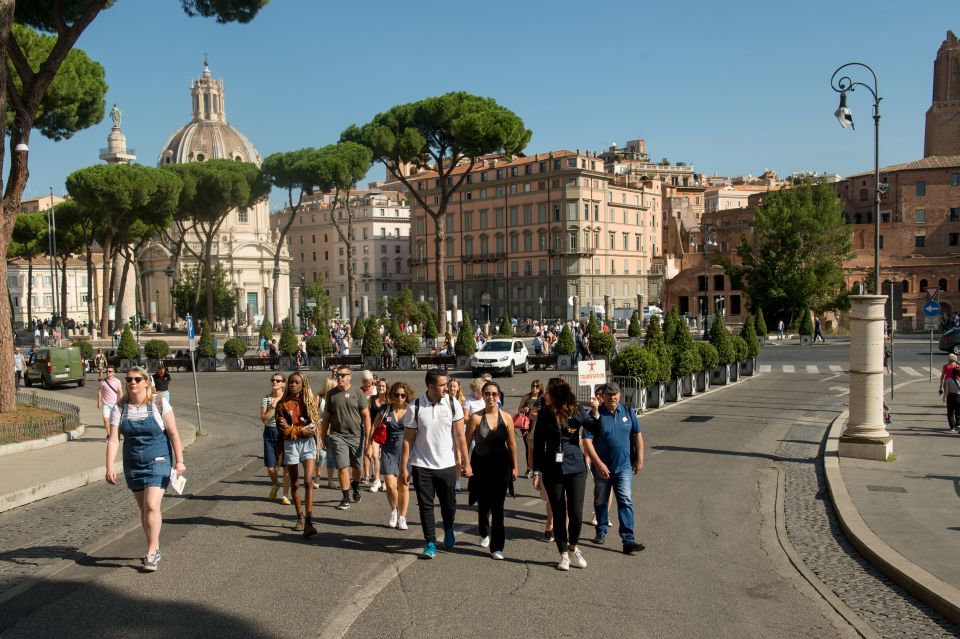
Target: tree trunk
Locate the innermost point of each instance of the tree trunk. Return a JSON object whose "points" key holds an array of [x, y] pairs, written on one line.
{"points": [[63, 296], [91, 277], [294, 211], [30, 291], [208, 278], [440, 274], [121, 292], [107, 267]]}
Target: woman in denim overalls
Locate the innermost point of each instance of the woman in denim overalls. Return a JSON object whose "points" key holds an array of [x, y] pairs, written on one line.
{"points": [[151, 444]]}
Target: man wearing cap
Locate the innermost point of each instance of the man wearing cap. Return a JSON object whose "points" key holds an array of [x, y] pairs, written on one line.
{"points": [[346, 420], [616, 453]]}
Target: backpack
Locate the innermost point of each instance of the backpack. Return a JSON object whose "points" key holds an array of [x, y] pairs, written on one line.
{"points": [[416, 410]]}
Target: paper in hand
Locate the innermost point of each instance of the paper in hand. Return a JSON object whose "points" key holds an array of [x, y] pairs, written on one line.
{"points": [[177, 482]]}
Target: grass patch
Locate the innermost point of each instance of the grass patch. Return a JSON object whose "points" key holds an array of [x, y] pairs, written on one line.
{"points": [[892, 457], [29, 422]]}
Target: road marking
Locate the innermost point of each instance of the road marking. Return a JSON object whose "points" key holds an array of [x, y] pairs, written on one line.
{"points": [[765, 368], [842, 390], [812, 368], [834, 368], [910, 371], [788, 368], [531, 502]]}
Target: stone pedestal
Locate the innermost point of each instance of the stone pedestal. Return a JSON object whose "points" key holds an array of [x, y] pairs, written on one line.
{"points": [[576, 308], [365, 306], [866, 436]]}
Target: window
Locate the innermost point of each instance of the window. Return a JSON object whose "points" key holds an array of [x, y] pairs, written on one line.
{"points": [[483, 219], [920, 215], [498, 216], [919, 241], [450, 271], [955, 214], [921, 188], [954, 239], [242, 216], [701, 282], [734, 304], [468, 221], [923, 286], [448, 223], [556, 212], [514, 243], [905, 285], [718, 283], [572, 163], [527, 214], [542, 213], [341, 269], [514, 215], [955, 179], [613, 240], [942, 283], [863, 195], [468, 246], [450, 247], [499, 191], [11, 280], [515, 269], [314, 256], [528, 241], [881, 241]]}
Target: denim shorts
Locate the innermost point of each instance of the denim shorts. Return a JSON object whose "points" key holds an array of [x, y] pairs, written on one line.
{"points": [[296, 451], [270, 447]]}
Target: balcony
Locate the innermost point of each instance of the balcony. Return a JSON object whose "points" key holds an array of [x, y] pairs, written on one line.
{"points": [[485, 257], [587, 251], [417, 261]]}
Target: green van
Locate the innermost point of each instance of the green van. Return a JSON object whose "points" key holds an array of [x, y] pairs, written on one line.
{"points": [[55, 366]]}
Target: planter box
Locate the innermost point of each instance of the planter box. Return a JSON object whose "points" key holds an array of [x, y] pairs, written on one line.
{"points": [[318, 363], [371, 362], [635, 396], [674, 390], [687, 385], [152, 364], [763, 340], [748, 366], [806, 339], [232, 363], [206, 364], [656, 396], [463, 362], [126, 365], [720, 376], [703, 381], [735, 371], [565, 362], [406, 362], [288, 363]]}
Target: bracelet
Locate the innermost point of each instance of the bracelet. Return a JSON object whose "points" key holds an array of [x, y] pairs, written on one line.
{"points": [[537, 473]]}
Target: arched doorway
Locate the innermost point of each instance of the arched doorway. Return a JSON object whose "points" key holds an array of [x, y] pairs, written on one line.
{"points": [[485, 314]]}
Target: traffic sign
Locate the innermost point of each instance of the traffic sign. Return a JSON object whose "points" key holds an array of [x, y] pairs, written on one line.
{"points": [[931, 323], [190, 334], [932, 292], [931, 308]]}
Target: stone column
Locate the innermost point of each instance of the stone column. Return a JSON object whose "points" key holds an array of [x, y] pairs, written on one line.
{"points": [[453, 314], [866, 436], [365, 306], [268, 303], [576, 308], [344, 310], [295, 308], [640, 305], [608, 307]]}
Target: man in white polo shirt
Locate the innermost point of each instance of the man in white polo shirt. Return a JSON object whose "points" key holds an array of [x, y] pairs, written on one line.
{"points": [[433, 431]]}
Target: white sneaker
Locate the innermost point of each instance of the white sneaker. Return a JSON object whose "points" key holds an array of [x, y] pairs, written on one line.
{"points": [[497, 554], [402, 523], [375, 486], [484, 542], [564, 563], [578, 559], [392, 522]]}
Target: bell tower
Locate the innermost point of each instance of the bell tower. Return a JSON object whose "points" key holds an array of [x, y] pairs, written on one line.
{"points": [[207, 96], [942, 131]]}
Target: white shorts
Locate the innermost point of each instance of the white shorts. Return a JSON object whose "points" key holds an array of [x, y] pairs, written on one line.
{"points": [[107, 409]]}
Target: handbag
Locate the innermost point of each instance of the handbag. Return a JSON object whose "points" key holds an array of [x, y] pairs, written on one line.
{"points": [[380, 429], [521, 422]]}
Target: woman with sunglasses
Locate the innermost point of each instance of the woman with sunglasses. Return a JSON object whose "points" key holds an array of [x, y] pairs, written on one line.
{"points": [[379, 405], [530, 405], [151, 450], [109, 392], [494, 463], [297, 423], [272, 445], [399, 397]]}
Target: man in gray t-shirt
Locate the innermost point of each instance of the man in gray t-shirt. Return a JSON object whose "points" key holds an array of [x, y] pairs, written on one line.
{"points": [[346, 419]]}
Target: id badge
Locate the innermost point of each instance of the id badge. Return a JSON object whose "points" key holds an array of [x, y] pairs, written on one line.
{"points": [[558, 457]]}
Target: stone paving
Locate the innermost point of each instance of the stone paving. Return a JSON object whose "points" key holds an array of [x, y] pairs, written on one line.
{"points": [[814, 532]]}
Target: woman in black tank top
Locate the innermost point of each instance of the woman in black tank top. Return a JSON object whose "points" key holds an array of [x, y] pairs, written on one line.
{"points": [[494, 463]]}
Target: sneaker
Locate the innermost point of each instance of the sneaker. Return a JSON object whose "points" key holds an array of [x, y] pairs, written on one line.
{"points": [[392, 522], [497, 554], [152, 561], [364, 482], [548, 535], [484, 542], [429, 551], [593, 522], [600, 538], [629, 547], [273, 493], [564, 563], [331, 485], [578, 559], [449, 539], [402, 523], [528, 474], [375, 486], [456, 487], [344, 504], [356, 494], [285, 501]]}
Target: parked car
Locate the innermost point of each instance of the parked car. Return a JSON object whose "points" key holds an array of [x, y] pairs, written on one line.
{"points": [[54, 365], [500, 356], [950, 341]]}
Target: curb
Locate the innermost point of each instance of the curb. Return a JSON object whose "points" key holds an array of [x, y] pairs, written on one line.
{"points": [[34, 444], [929, 589], [77, 480]]}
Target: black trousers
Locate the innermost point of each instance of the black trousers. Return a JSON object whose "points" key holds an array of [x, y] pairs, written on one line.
{"points": [[953, 410], [441, 483], [565, 493]]}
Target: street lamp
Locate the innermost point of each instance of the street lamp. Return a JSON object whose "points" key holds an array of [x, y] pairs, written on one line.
{"points": [[843, 85], [540, 302], [52, 248]]}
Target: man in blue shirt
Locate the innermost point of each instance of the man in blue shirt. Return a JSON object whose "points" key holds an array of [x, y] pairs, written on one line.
{"points": [[616, 454]]}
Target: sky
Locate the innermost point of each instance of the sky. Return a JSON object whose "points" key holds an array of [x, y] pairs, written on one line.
{"points": [[733, 88]]}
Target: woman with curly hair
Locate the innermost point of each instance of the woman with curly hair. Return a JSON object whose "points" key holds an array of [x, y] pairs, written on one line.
{"points": [[297, 423]]}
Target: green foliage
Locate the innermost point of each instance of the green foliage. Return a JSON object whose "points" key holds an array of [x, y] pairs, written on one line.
{"points": [[235, 347], [86, 348], [794, 261], [685, 360], [664, 357], [128, 347], [602, 344], [806, 324], [565, 343], [401, 307], [359, 329], [761, 325], [266, 330], [506, 328], [288, 339], [466, 344], [205, 347], [749, 334], [635, 361], [654, 337], [740, 348], [635, 329], [372, 342], [720, 339], [408, 345], [184, 291], [319, 345], [670, 324], [156, 349], [430, 328], [708, 355], [320, 314], [424, 312], [393, 328], [593, 328]]}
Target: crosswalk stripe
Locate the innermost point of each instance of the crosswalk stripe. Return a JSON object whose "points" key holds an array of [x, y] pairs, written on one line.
{"points": [[836, 369], [788, 368], [910, 371], [812, 368], [765, 368]]}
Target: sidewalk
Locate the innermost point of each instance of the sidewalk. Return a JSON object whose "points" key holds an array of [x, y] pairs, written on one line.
{"points": [[32, 475], [904, 516]]}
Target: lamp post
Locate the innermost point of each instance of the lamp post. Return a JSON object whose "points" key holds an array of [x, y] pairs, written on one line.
{"points": [[52, 248], [708, 233], [865, 435]]}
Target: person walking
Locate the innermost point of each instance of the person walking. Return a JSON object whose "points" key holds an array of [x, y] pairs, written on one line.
{"points": [[108, 394], [494, 464], [433, 433], [780, 330], [161, 381], [398, 497], [18, 365], [817, 330], [952, 394], [346, 420], [370, 473], [455, 391], [616, 453], [100, 363], [323, 458], [559, 466], [947, 371], [530, 405], [151, 452], [296, 417], [378, 406], [272, 443]]}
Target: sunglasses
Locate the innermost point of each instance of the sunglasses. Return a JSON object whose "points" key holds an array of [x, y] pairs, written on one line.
{"points": [[401, 395], [134, 380], [491, 394], [341, 375], [277, 381]]}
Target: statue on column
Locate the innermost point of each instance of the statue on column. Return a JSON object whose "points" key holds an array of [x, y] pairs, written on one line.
{"points": [[115, 115]]}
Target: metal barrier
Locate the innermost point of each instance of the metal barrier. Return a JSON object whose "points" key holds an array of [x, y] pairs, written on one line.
{"points": [[633, 394], [40, 427]]}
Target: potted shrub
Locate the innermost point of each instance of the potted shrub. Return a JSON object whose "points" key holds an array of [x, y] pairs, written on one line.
{"points": [[602, 345], [206, 351], [641, 364], [685, 361], [761, 326], [372, 347], [806, 329], [657, 392], [748, 365], [565, 348], [318, 347], [234, 350], [358, 332], [635, 329], [128, 352], [429, 332], [407, 348], [265, 335], [287, 346], [465, 345], [155, 350], [740, 355], [86, 348], [726, 355], [709, 361], [506, 328]]}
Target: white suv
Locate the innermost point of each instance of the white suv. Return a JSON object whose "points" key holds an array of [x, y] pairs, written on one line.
{"points": [[500, 356]]}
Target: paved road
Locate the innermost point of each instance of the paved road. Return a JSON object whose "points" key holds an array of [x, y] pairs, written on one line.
{"points": [[231, 565]]}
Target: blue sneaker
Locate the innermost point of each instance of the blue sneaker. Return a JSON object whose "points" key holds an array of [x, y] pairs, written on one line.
{"points": [[449, 539], [429, 551]]}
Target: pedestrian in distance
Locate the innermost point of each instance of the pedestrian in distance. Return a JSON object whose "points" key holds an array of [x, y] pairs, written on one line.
{"points": [[18, 366], [398, 497], [817, 330], [494, 465], [530, 405], [946, 372], [100, 363], [780, 330], [379, 405], [558, 464], [616, 453], [952, 394], [370, 475], [272, 442], [161, 381], [296, 415], [346, 420], [433, 433], [152, 453], [109, 391]]}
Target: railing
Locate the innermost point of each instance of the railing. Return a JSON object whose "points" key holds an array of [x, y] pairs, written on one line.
{"points": [[630, 389], [126, 151], [41, 427]]}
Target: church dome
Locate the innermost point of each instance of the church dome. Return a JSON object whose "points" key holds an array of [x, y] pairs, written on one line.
{"points": [[208, 136]]}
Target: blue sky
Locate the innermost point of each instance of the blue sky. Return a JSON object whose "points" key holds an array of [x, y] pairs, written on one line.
{"points": [[732, 88]]}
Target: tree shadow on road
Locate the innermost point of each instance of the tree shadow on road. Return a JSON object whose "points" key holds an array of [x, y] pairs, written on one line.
{"points": [[734, 453]]}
